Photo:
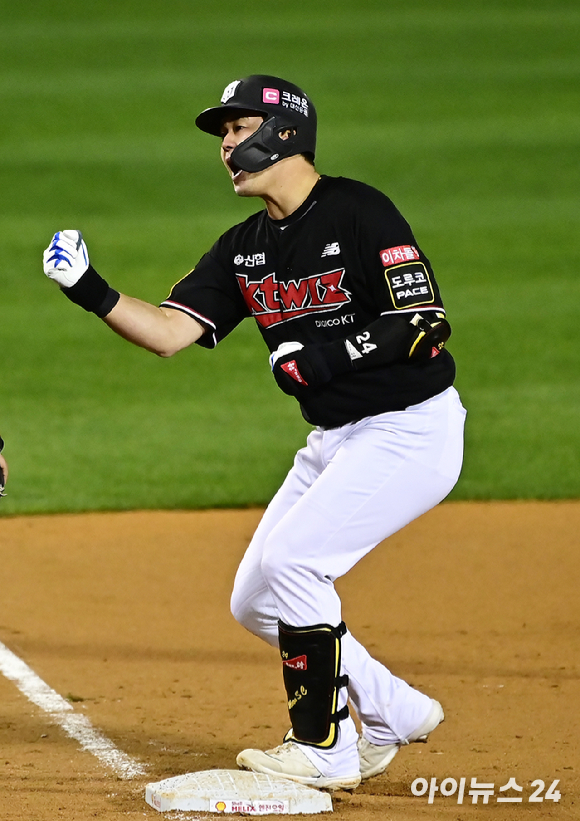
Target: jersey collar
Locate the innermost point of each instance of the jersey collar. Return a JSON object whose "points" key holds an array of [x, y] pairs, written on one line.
{"points": [[303, 209]]}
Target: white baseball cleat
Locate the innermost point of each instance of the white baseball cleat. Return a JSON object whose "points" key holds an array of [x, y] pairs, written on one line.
{"points": [[375, 758], [289, 761]]}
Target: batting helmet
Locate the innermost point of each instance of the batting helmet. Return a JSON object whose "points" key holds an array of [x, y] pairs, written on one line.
{"points": [[286, 110]]}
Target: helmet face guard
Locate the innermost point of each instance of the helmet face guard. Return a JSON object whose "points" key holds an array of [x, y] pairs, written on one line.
{"points": [[273, 141], [289, 126]]}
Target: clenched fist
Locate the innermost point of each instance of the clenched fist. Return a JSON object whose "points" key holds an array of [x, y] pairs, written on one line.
{"points": [[66, 259]]}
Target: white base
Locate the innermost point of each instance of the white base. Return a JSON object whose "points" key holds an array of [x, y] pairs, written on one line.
{"points": [[236, 791]]}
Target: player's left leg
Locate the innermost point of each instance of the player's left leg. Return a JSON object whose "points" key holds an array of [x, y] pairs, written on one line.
{"points": [[378, 475]]}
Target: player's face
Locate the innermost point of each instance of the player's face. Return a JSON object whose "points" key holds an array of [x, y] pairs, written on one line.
{"points": [[234, 132]]}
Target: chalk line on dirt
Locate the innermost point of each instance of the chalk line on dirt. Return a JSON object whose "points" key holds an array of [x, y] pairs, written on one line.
{"points": [[60, 711]]}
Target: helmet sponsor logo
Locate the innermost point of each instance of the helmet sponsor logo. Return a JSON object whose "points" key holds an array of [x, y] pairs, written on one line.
{"points": [[271, 95], [229, 91], [295, 102], [401, 253], [272, 302]]}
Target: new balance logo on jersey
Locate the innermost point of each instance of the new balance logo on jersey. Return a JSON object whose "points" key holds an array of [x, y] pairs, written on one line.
{"points": [[331, 249], [272, 302]]}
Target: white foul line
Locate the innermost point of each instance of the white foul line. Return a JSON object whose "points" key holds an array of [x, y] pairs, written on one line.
{"points": [[60, 711]]}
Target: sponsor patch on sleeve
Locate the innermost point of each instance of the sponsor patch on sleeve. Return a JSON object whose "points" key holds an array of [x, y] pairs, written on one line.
{"points": [[409, 285], [398, 254]]}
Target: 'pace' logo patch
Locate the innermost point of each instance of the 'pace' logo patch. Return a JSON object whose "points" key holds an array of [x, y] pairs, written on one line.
{"points": [[409, 285]]}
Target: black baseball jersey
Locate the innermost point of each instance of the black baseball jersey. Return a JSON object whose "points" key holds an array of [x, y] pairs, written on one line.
{"points": [[343, 259]]}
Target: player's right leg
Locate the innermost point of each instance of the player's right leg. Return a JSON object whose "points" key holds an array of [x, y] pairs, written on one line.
{"points": [[254, 607], [252, 604]]}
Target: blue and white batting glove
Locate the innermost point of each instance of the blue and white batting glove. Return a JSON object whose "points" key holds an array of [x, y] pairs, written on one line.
{"points": [[66, 259]]}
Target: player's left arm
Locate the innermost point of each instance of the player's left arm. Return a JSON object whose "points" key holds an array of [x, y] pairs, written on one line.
{"points": [[411, 326], [409, 337]]}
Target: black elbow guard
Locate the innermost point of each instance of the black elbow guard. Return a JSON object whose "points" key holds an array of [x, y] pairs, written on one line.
{"points": [[430, 337]]}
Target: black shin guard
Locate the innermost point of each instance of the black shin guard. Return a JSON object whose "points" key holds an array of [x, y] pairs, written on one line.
{"points": [[311, 667]]}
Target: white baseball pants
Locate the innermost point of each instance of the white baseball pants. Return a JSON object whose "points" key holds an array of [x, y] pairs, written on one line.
{"points": [[349, 489]]}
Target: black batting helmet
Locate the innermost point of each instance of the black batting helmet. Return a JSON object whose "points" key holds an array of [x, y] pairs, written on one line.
{"points": [[285, 108]]}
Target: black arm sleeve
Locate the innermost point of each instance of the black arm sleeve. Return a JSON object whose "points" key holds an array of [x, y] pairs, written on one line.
{"points": [[385, 341], [396, 338]]}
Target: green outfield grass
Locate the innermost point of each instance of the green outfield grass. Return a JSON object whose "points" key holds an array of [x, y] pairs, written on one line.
{"points": [[466, 114]]}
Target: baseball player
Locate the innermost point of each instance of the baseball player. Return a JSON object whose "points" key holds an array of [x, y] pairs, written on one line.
{"points": [[353, 320]]}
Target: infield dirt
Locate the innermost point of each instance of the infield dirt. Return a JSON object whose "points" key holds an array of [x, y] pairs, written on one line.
{"points": [[127, 616]]}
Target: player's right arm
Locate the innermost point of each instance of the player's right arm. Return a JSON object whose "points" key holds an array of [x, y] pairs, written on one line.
{"points": [[161, 330]]}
